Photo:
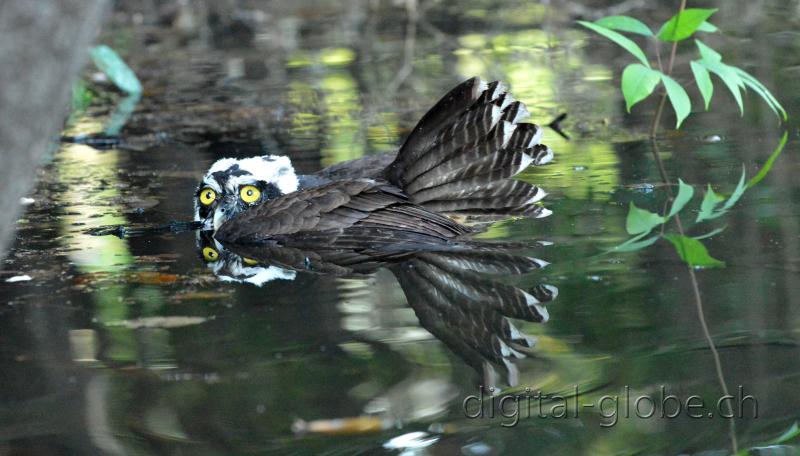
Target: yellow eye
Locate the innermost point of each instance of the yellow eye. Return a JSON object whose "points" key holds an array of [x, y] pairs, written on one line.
{"points": [[249, 194], [207, 196], [210, 254], [249, 261]]}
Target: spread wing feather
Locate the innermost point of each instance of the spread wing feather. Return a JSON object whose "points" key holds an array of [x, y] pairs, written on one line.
{"points": [[358, 210]]}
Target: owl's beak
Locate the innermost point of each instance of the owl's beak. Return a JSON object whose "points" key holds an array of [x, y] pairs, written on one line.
{"points": [[224, 212], [219, 218]]}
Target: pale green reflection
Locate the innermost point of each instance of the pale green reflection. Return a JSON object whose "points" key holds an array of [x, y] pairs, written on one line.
{"points": [[342, 118]]}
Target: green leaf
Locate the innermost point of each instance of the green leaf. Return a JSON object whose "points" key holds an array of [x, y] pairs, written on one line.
{"points": [[110, 63], [707, 53], [625, 24], [638, 82], [685, 193], [621, 40], [641, 220], [763, 92], [693, 252], [737, 192], [678, 98], [790, 434], [729, 77], [684, 24], [762, 173], [710, 201], [707, 27], [703, 82], [711, 233], [633, 244]]}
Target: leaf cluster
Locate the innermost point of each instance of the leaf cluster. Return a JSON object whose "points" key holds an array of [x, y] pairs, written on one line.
{"points": [[640, 80], [641, 222]]}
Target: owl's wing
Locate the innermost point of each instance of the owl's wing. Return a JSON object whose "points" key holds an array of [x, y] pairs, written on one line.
{"points": [[456, 299], [342, 214]]}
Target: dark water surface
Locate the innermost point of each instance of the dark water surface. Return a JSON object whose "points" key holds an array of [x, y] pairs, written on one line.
{"points": [[134, 346]]}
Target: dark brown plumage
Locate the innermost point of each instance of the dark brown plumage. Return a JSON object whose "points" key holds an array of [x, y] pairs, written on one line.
{"points": [[458, 160], [453, 292]]}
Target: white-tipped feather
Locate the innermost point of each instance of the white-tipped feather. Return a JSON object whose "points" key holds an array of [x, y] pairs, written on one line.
{"points": [[499, 90], [545, 212], [522, 114], [496, 114], [507, 100], [482, 86], [508, 130], [546, 158], [516, 334], [541, 263], [524, 163], [537, 138], [552, 289], [533, 302], [540, 194]]}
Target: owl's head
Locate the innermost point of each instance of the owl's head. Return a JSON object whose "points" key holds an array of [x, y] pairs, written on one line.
{"points": [[230, 186], [230, 267]]}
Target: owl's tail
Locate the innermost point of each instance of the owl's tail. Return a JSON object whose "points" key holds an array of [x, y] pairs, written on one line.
{"points": [[461, 155]]}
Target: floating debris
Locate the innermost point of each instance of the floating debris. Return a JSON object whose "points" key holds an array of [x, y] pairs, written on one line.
{"points": [[158, 322], [19, 278]]}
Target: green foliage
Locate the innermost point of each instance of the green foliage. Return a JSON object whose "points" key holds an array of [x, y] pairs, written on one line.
{"points": [[704, 84], [684, 24], [678, 98], [639, 80], [620, 39], [708, 208], [625, 24], [641, 221], [693, 252], [685, 193], [770, 161], [790, 434], [636, 243]]}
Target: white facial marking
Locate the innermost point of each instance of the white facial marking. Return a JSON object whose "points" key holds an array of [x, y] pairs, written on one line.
{"points": [[274, 169]]}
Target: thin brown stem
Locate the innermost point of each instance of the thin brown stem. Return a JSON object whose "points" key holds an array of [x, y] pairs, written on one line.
{"points": [[692, 276], [657, 118], [699, 304]]}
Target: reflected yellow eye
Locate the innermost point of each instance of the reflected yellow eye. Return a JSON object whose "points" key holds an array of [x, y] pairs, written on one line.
{"points": [[249, 261], [210, 254], [207, 196], [249, 194]]}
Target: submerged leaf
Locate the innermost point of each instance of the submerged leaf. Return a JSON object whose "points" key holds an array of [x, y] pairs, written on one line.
{"points": [[638, 82], [770, 161], [710, 201], [685, 193], [620, 39], [737, 193], [711, 233], [684, 24], [635, 243], [625, 24], [790, 434], [641, 221], [703, 79], [678, 98], [693, 252]]}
